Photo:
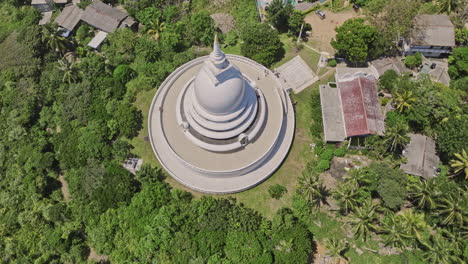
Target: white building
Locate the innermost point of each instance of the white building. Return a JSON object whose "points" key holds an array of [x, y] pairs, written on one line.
{"points": [[221, 123]]}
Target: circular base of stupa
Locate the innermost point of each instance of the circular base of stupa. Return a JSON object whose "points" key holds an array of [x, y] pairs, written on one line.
{"points": [[221, 172]]}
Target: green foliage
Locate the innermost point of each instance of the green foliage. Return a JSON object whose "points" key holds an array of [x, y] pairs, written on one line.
{"points": [[332, 63], [83, 34], [413, 61], [316, 127], [202, 28], [340, 152], [123, 73], [357, 41], [458, 63], [461, 36], [296, 22], [392, 185], [277, 191], [148, 15], [262, 44], [323, 165], [278, 15], [121, 47]]}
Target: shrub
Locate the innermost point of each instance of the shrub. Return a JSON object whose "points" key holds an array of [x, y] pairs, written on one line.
{"points": [[339, 152], [332, 63], [277, 191], [413, 61], [327, 154], [322, 166], [123, 73]]}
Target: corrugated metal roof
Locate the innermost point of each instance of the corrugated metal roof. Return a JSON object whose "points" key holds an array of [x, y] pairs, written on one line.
{"points": [[97, 40], [69, 17], [103, 17], [422, 157], [351, 109], [432, 30]]}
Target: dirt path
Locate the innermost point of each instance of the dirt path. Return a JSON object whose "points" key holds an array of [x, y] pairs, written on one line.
{"points": [[65, 190], [323, 31], [93, 256]]}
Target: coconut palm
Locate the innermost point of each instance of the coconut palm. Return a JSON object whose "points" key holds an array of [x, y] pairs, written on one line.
{"points": [[424, 193], [440, 250], [71, 73], [346, 194], [52, 37], [404, 101], [448, 5], [336, 249], [156, 27], [313, 189], [396, 136], [364, 219], [394, 232], [286, 245], [453, 208], [413, 223], [460, 164]]}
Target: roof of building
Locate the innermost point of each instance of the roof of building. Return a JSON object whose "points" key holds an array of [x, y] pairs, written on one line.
{"points": [[40, 2], [303, 6], [352, 108], [97, 40], [69, 17], [439, 73], [102, 16], [46, 16], [432, 30], [422, 158], [384, 64], [296, 75]]}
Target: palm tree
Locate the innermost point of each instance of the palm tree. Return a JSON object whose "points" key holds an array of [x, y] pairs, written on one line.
{"points": [[336, 249], [404, 101], [424, 193], [156, 27], [453, 208], [286, 245], [448, 5], [346, 194], [357, 177], [71, 73], [413, 223], [396, 136], [394, 232], [440, 250], [52, 37], [364, 219], [460, 164], [313, 189]]}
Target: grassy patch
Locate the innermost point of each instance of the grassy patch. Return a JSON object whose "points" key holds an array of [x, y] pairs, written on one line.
{"points": [[309, 56]]}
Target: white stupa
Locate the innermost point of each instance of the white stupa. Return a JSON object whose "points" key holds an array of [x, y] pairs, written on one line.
{"points": [[221, 123]]}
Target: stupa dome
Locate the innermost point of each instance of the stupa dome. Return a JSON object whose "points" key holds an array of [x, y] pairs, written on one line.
{"points": [[219, 94], [219, 86]]}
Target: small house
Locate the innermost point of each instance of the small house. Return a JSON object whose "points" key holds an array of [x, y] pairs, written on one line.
{"points": [[430, 35]]}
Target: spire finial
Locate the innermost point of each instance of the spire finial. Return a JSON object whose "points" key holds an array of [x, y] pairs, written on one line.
{"points": [[216, 41], [217, 56]]}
